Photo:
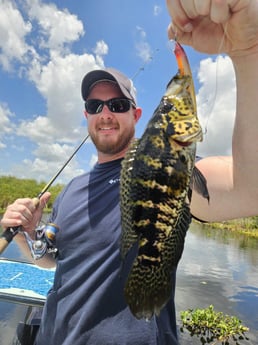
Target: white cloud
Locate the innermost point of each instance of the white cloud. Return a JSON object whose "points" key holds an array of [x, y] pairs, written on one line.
{"points": [[54, 152], [58, 27], [13, 31], [42, 170], [101, 48], [143, 48], [93, 160], [144, 51], [157, 10], [57, 75], [6, 125], [38, 130], [141, 32], [59, 83], [216, 105]]}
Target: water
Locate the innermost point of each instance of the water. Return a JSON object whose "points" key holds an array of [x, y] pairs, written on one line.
{"points": [[10, 314], [217, 268]]}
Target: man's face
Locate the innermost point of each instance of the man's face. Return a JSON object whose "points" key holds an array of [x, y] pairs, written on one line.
{"points": [[111, 132]]}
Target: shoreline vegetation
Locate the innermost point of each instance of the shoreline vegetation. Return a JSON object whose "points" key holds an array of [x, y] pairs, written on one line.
{"points": [[12, 188], [244, 226]]}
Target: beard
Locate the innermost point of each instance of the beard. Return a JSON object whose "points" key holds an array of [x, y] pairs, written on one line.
{"points": [[113, 146]]}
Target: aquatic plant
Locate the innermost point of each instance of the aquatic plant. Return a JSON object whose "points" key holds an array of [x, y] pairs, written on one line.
{"points": [[213, 327]]}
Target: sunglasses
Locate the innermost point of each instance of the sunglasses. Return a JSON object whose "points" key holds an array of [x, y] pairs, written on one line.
{"points": [[115, 105]]}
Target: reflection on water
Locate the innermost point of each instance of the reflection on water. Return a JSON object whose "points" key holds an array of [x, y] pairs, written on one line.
{"points": [[217, 267], [11, 314]]}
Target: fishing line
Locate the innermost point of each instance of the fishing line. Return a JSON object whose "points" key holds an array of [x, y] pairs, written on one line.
{"points": [[142, 67], [216, 82], [171, 44]]}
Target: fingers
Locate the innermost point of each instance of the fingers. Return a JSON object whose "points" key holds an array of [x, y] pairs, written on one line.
{"points": [[43, 200], [25, 212], [199, 23], [183, 36], [181, 21], [220, 11], [196, 8], [18, 213], [184, 12], [45, 197]]}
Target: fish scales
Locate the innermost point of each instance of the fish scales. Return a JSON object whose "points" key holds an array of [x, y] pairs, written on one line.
{"points": [[155, 179]]}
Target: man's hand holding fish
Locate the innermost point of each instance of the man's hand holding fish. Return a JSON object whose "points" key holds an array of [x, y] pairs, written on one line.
{"points": [[231, 27]]}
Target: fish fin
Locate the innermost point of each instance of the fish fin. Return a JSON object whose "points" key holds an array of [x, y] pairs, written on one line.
{"points": [[199, 184], [149, 285], [128, 235], [178, 234], [145, 294]]}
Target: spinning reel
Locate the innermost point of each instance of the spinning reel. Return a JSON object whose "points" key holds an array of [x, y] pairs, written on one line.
{"points": [[45, 241]]}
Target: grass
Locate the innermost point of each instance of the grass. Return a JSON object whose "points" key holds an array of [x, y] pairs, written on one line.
{"points": [[245, 226]]}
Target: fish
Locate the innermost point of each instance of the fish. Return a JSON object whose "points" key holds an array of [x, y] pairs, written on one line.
{"points": [[157, 177]]}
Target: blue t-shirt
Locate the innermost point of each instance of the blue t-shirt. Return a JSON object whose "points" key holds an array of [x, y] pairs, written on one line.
{"points": [[86, 304]]}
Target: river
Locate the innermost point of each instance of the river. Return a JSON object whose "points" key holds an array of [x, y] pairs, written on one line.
{"points": [[217, 267], [220, 268]]}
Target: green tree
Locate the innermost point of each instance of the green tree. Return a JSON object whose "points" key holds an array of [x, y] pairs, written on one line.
{"points": [[12, 188]]}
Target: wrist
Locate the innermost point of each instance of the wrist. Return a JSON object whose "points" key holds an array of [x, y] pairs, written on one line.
{"points": [[19, 238], [244, 53], [246, 63]]}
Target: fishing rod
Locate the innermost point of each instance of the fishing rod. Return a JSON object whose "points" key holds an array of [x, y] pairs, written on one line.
{"points": [[142, 67], [9, 233]]}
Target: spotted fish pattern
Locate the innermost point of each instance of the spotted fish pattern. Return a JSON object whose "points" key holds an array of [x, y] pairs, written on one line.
{"points": [[156, 179]]}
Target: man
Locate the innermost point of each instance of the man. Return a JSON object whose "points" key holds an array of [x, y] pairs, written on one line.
{"points": [[86, 304]]}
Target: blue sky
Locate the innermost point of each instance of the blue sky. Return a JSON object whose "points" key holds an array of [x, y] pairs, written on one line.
{"points": [[46, 47]]}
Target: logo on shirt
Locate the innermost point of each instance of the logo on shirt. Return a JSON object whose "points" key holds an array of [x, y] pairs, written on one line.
{"points": [[113, 181]]}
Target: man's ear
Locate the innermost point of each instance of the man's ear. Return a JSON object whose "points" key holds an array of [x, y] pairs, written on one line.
{"points": [[86, 114], [137, 114]]}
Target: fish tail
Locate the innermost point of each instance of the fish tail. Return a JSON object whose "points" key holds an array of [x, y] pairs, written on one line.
{"points": [[146, 297]]}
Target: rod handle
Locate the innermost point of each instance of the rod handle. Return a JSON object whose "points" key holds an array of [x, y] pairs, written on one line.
{"points": [[3, 244], [8, 235]]}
